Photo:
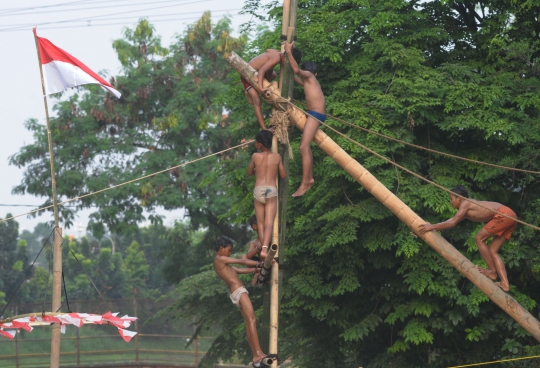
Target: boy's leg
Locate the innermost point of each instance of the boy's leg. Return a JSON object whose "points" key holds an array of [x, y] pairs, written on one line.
{"points": [[259, 213], [270, 210], [485, 252], [246, 308], [494, 248], [310, 129]]}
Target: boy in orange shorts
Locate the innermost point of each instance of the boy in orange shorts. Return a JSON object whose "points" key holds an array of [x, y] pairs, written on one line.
{"points": [[498, 227]]}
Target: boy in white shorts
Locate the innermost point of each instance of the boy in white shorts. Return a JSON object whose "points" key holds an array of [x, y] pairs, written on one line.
{"points": [[265, 165], [240, 296]]}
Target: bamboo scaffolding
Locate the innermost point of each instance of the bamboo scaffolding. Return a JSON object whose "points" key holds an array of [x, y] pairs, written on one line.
{"points": [[403, 212]]}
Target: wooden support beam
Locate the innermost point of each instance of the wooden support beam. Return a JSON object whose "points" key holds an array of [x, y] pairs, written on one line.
{"points": [[409, 217]]}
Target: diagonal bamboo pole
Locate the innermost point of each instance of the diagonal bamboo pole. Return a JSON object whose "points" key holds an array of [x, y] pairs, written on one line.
{"points": [[402, 211]]}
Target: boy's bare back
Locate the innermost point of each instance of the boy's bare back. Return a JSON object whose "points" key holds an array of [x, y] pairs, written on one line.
{"points": [[267, 165], [476, 213]]}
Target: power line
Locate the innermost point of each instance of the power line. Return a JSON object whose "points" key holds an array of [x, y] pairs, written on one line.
{"points": [[107, 15], [245, 144], [407, 170], [105, 24], [427, 149], [131, 17], [93, 8], [9, 10]]}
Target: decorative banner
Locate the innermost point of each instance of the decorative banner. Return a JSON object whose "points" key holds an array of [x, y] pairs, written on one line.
{"points": [[76, 319], [9, 334]]}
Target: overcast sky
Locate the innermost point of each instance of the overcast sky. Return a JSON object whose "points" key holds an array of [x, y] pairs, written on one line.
{"points": [[86, 29]]}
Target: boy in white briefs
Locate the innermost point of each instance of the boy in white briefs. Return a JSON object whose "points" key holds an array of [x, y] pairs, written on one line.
{"points": [[239, 294], [265, 165]]}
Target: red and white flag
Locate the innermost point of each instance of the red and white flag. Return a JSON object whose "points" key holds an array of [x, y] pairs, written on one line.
{"points": [[62, 70]]}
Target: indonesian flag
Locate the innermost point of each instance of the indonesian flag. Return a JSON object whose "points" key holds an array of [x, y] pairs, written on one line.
{"points": [[62, 70]]}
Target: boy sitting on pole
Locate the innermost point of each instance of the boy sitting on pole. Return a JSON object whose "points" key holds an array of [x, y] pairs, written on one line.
{"points": [[264, 64]]}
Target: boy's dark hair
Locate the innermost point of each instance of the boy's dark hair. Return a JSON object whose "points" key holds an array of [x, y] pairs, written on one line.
{"points": [[460, 189], [264, 137], [253, 220], [309, 66], [297, 55], [224, 242]]}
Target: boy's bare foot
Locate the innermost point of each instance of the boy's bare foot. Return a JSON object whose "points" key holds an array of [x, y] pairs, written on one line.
{"points": [[302, 189], [504, 287], [487, 272]]}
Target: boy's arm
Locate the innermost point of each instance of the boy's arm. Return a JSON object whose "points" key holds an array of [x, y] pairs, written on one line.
{"points": [[294, 64], [257, 106], [253, 249], [244, 262], [246, 270], [298, 80], [251, 168], [448, 224], [273, 60]]}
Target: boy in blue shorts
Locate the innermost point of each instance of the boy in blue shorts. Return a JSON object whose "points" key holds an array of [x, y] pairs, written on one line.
{"points": [[316, 110]]}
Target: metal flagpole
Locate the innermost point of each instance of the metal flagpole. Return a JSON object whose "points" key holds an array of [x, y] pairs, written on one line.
{"points": [[57, 248]]}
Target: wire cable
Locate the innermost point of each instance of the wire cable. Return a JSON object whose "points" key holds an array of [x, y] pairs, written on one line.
{"points": [[26, 275], [245, 144], [425, 148], [94, 8], [495, 361], [90, 279], [106, 15], [413, 173]]}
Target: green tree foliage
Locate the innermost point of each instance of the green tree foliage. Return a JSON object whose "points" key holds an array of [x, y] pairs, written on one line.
{"points": [[168, 115], [136, 270], [13, 260], [457, 76]]}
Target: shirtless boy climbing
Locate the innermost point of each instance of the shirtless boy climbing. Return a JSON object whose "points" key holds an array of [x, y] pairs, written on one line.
{"points": [[316, 109], [240, 296], [498, 227], [265, 165], [264, 64]]}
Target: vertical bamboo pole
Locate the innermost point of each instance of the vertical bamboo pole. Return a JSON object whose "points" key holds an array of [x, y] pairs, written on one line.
{"points": [[57, 249], [274, 278], [402, 211], [17, 350]]}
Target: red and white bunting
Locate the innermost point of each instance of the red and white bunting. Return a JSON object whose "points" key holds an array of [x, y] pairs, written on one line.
{"points": [[9, 334], [76, 319], [127, 335]]}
